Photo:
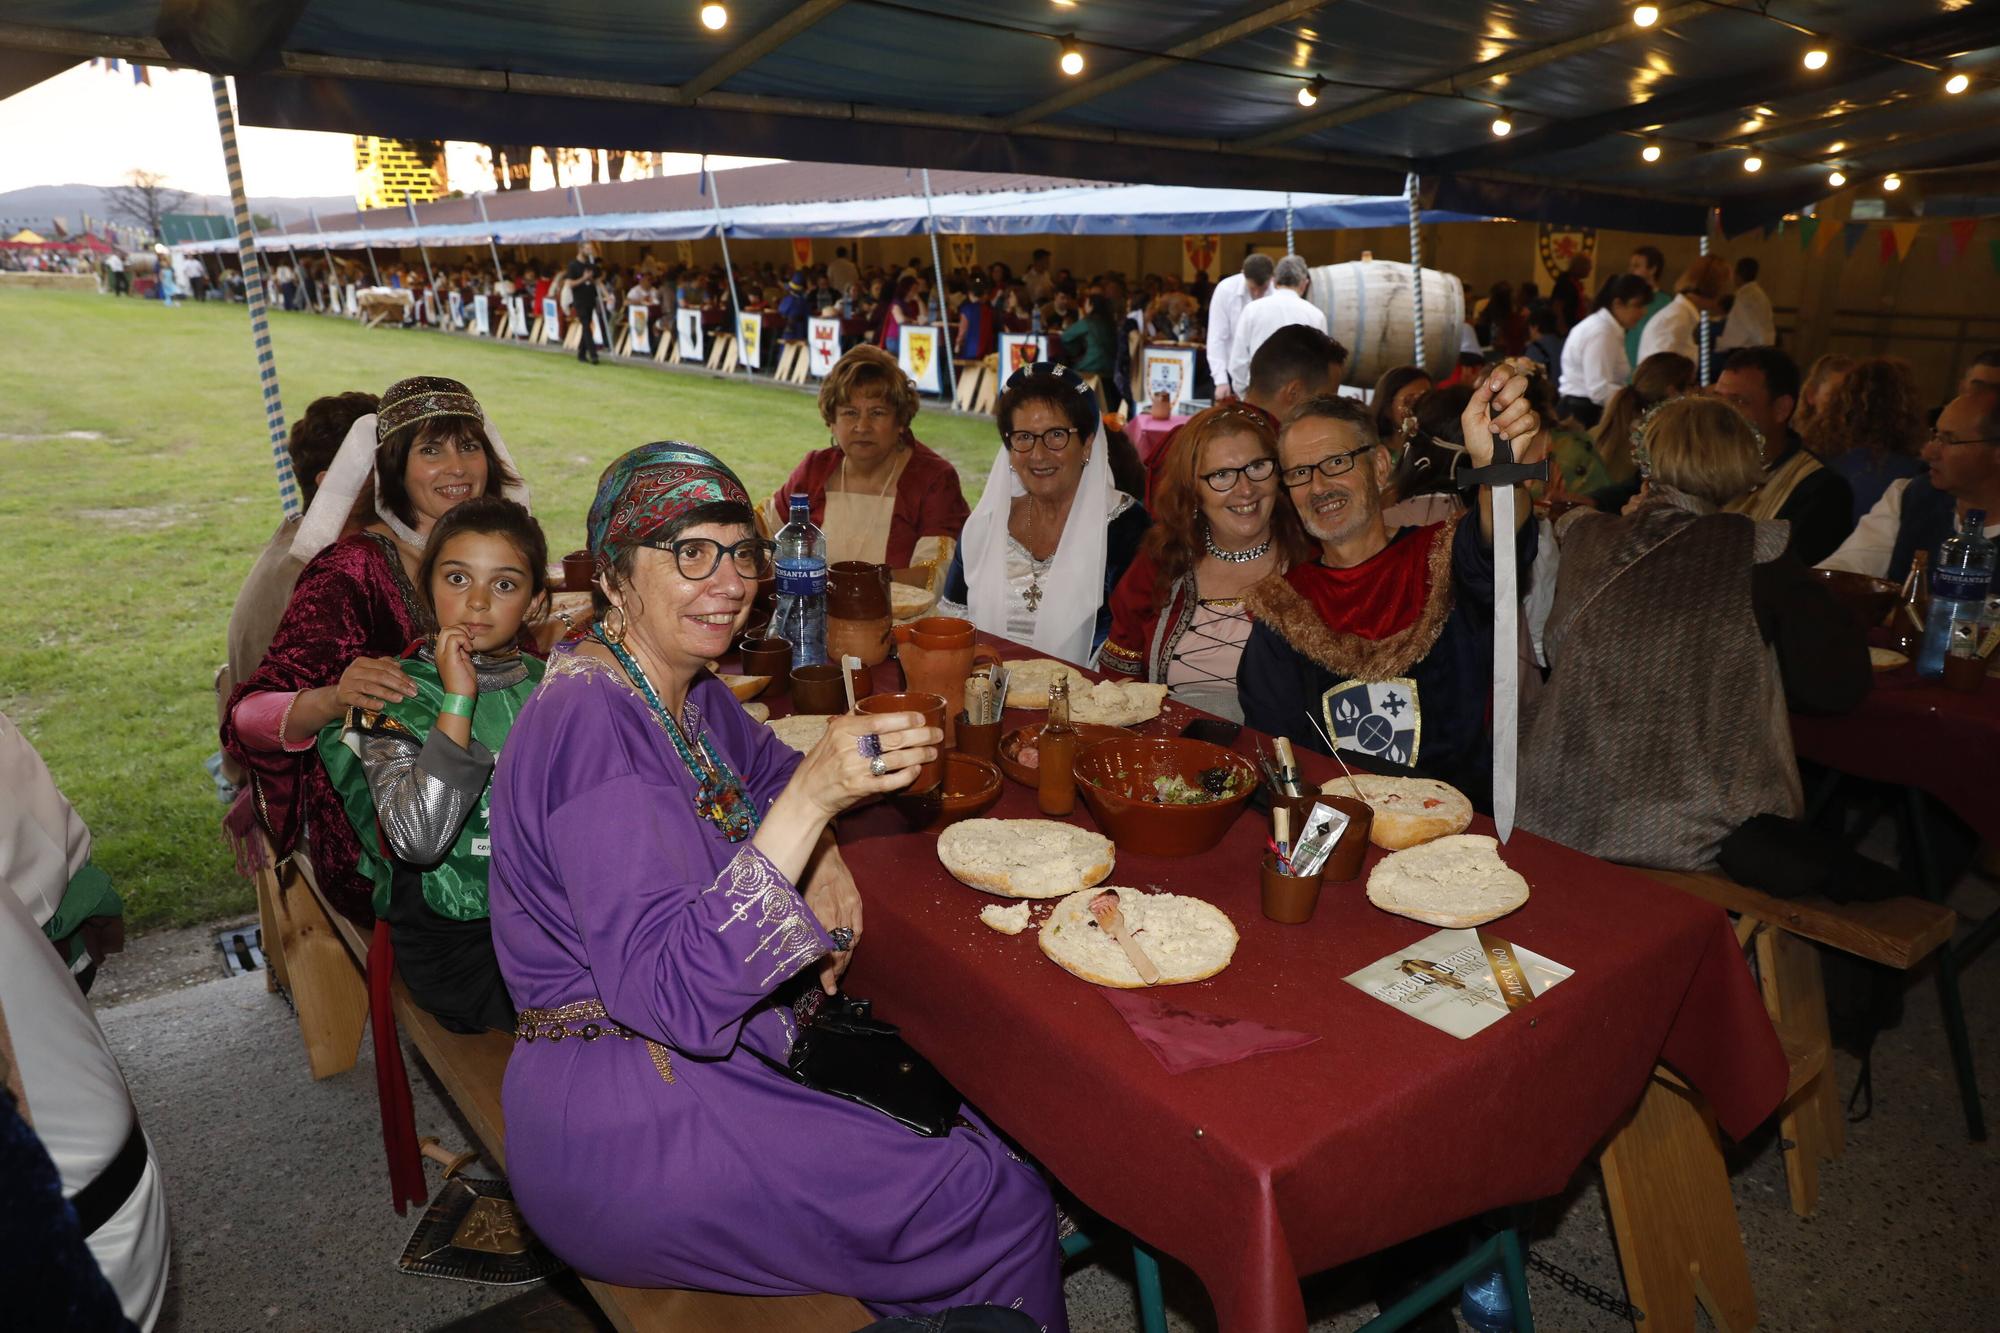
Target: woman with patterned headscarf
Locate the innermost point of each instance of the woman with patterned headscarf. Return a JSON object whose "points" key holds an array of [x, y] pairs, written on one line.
{"points": [[664, 889], [354, 611]]}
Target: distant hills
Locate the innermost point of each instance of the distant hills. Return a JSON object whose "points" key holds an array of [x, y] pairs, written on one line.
{"points": [[36, 205]]}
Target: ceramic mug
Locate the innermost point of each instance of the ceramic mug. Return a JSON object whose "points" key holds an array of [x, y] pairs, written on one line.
{"points": [[940, 663], [933, 709], [857, 590]]}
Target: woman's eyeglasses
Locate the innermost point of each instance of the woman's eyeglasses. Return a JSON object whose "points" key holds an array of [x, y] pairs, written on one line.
{"points": [[698, 558], [1224, 478], [1055, 439], [1333, 465]]}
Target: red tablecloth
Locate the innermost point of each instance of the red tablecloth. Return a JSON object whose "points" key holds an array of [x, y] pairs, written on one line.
{"points": [[1915, 733], [1258, 1172], [1149, 434]]}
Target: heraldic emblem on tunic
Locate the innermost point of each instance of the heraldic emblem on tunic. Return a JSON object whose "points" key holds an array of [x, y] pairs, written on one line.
{"points": [[1380, 718]]}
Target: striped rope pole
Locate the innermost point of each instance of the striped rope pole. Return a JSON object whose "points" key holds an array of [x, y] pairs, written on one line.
{"points": [[1290, 249], [944, 322], [722, 234], [1703, 378], [499, 274], [1416, 266], [253, 286], [430, 278]]}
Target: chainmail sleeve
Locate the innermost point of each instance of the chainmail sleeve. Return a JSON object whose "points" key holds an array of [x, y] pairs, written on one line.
{"points": [[422, 794]]}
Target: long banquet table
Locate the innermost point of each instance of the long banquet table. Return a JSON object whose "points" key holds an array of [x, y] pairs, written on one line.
{"points": [[1258, 1172]]}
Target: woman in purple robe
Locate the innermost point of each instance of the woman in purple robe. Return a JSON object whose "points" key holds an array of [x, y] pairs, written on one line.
{"points": [[650, 843]]}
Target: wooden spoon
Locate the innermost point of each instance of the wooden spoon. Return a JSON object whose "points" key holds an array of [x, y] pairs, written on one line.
{"points": [[1104, 907]]}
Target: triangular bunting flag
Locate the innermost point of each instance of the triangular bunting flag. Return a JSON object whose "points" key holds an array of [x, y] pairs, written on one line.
{"points": [[1823, 242], [1851, 234], [1955, 240], [1906, 236], [1808, 228], [1888, 246]]}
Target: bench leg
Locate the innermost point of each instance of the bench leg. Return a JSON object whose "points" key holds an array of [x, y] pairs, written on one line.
{"points": [[1679, 1242], [1795, 997], [327, 989], [266, 880]]}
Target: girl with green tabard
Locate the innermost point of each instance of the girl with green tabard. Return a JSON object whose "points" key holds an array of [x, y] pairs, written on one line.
{"points": [[414, 776]]}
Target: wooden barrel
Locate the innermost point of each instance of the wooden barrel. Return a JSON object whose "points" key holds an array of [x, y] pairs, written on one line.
{"points": [[1367, 305]]}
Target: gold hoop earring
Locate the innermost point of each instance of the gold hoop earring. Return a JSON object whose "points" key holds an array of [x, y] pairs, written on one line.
{"points": [[613, 636]]}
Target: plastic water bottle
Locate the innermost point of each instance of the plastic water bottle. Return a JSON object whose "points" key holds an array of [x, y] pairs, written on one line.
{"points": [[1035, 321], [1486, 1304], [1959, 583], [800, 615], [847, 307]]}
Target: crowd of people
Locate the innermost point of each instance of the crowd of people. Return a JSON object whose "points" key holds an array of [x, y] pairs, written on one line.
{"points": [[563, 825]]}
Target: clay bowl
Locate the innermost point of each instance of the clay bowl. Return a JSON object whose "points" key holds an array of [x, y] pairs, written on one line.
{"points": [[1869, 600], [1087, 733], [970, 787], [1116, 779]]}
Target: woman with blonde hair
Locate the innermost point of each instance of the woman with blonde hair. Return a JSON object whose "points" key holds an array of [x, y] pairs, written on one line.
{"points": [[1679, 638], [1220, 524], [1871, 429], [1814, 393], [1659, 377]]}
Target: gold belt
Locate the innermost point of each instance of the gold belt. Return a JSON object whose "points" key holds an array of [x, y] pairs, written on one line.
{"points": [[587, 1021]]}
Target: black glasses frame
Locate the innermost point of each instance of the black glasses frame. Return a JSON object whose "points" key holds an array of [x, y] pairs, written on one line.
{"points": [[1012, 439], [1257, 469], [1333, 465], [757, 550]]}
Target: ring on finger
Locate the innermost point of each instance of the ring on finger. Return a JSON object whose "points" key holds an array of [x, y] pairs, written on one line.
{"points": [[878, 766]]}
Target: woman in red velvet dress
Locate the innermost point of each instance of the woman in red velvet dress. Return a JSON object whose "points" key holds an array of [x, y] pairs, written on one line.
{"points": [[355, 610]]}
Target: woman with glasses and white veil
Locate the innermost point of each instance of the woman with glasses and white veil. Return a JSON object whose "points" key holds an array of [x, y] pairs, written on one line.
{"points": [[1052, 535]]}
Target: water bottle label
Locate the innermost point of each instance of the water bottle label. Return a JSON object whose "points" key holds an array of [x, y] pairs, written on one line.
{"points": [[801, 581], [1959, 585]]}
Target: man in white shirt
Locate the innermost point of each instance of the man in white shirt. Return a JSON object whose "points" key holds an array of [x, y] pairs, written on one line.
{"points": [[841, 272], [1040, 284], [1676, 327], [1751, 322], [1593, 356], [1225, 307], [1284, 304], [1917, 513], [121, 282]]}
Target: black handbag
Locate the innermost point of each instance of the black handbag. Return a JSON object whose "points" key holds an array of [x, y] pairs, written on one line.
{"points": [[842, 1050]]}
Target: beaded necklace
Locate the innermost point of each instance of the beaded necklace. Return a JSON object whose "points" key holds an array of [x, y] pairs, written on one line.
{"points": [[719, 796]]}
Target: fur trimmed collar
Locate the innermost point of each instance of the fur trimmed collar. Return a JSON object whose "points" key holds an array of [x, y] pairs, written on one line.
{"points": [[1276, 602]]}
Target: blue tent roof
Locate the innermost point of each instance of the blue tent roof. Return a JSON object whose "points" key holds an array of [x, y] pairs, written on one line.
{"points": [[1174, 92]]}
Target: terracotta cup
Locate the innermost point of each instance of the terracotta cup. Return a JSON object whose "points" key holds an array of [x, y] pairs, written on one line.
{"points": [[914, 701], [1345, 862], [768, 657], [1287, 898], [578, 567], [938, 632], [818, 689], [978, 739], [1964, 674]]}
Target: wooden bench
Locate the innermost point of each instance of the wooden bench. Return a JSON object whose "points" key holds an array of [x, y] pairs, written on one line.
{"points": [[1896, 932], [322, 957]]}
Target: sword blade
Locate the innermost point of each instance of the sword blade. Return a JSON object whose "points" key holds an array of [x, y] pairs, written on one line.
{"points": [[1506, 660]]}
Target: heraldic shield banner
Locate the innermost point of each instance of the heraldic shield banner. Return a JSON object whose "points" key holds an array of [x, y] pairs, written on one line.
{"points": [[1380, 718]]}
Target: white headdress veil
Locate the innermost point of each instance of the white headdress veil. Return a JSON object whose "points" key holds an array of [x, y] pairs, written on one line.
{"points": [[354, 469], [1073, 587]]}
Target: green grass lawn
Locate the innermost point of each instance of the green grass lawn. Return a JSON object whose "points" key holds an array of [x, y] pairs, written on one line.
{"points": [[122, 553]]}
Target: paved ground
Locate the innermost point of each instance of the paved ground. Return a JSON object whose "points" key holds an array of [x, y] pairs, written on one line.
{"points": [[281, 1218]]}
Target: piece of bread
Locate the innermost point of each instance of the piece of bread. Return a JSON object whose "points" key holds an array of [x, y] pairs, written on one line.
{"points": [[1115, 703], [1407, 810], [1187, 939], [1024, 858], [745, 688], [1007, 920], [1886, 659], [907, 601], [1455, 882], [758, 712], [1028, 681], [801, 731]]}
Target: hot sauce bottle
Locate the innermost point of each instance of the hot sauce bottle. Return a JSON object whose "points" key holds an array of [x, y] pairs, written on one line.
{"points": [[1055, 788]]}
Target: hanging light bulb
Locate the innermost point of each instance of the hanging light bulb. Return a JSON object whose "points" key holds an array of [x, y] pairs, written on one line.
{"points": [[1309, 93], [1816, 58], [1502, 126], [1957, 83], [1650, 153], [1892, 182], [1836, 178], [1645, 16], [714, 17], [1753, 163], [1072, 57]]}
